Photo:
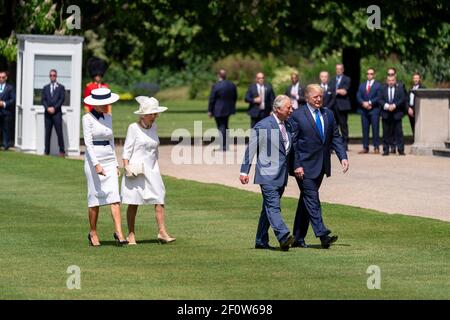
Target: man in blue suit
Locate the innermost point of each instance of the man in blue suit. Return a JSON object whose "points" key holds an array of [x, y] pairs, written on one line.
{"points": [[315, 134], [271, 141], [260, 98], [328, 94], [7, 108], [341, 104], [222, 104], [392, 103], [53, 95], [367, 96]]}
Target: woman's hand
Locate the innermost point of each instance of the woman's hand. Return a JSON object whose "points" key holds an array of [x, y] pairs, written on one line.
{"points": [[99, 170]]}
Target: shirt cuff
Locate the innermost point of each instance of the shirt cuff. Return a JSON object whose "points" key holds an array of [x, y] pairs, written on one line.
{"points": [[386, 106], [244, 174]]}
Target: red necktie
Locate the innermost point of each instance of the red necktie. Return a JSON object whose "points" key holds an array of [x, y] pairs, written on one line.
{"points": [[368, 88]]}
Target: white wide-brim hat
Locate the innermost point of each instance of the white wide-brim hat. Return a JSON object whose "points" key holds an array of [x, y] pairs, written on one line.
{"points": [[149, 105], [101, 97]]}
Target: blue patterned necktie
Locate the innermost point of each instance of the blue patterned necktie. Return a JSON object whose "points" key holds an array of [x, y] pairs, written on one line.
{"points": [[319, 124]]}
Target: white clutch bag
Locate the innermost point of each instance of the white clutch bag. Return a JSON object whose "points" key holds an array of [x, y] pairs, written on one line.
{"points": [[134, 169]]}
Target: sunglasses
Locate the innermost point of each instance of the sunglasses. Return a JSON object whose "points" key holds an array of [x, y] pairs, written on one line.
{"points": [[2, 77], [391, 74], [369, 73], [53, 75]]}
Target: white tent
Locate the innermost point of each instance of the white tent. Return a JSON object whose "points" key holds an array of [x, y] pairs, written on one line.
{"points": [[36, 55]]}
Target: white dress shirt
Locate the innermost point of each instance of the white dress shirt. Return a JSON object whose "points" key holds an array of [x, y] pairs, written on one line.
{"points": [[391, 95], [411, 95], [261, 93]]}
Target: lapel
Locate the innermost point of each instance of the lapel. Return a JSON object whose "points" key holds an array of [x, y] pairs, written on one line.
{"points": [[312, 121], [280, 137], [325, 124]]}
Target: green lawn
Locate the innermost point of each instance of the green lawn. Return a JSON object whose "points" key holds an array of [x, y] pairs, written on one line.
{"points": [[183, 113], [44, 227]]}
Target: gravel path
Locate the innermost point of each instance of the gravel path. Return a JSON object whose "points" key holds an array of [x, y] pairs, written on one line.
{"points": [[411, 185]]}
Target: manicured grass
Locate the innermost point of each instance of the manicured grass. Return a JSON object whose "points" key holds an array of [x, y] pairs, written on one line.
{"points": [[183, 113], [44, 227]]}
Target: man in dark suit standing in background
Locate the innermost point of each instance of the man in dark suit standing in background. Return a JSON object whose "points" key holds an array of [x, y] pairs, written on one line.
{"points": [[295, 92], [328, 95], [392, 103], [341, 106], [315, 133], [7, 108], [367, 96], [53, 95], [222, 104], [260, 97], [417, 84]]}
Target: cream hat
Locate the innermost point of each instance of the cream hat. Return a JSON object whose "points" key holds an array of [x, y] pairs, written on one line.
{"points": [[101, 97], [149, 105]]}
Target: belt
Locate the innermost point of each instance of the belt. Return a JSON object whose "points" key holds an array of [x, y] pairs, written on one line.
{"points": [[100, 143]]}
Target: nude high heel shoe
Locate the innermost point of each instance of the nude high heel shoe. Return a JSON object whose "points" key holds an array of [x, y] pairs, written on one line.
{"points": [[165, 240]]}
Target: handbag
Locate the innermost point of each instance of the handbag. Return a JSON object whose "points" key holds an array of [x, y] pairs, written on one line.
{"points": [[134, 169]]}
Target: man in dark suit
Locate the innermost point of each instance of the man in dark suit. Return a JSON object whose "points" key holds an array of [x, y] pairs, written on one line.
{"points": [[271, 141], [295, 92], [315, 133], [7, 108], [399, 84], [260, 97], [342, 106], [52, 99], [417, 84], [222, 104], [367, 96], [392, 102], [328, 95]]}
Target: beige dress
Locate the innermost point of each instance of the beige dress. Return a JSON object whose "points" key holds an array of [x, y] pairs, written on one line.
{"points": [[141, 146]]}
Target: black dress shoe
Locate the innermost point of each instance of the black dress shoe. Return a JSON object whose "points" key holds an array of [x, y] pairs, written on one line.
{"points": [[393, 150], [326, 241], [284, 246], [266, 246], [401, 153], [299, 244], [385, 153]]}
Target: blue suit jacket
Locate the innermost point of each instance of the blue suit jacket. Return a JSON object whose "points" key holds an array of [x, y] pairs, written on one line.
{"points": [[328, 97], [9, 97], [373, 96], [399, 101], [222, 100], [56, 101], [310, 152], [252, 93], [272, 158], [341, 103]]}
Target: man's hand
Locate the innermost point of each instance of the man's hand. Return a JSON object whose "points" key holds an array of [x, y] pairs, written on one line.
{"points": [[341, 92], [99, 170], [299, 172], [392, 107], [345, 165], [411, 112], [2, 104], [210, 114], [365, 105], [257, 100], [244, 179], [51, 110]]}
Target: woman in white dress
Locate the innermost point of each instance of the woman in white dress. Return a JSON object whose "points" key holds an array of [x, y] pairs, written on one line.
{"points": [[142, 184], [100, 165]]}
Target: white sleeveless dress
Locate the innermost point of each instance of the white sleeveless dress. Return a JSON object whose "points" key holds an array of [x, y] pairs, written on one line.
{"points": [[141, 146]]}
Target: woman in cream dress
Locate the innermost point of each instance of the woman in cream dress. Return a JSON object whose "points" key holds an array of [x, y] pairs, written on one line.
{"points": [[143, 184], [100, 165]]}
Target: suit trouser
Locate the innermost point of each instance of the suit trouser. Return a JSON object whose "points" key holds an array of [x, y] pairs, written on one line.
{"points": [[222, 126], [309, 209], [412, 122], [271, 215], [393, 132], [56, 121], [343, 125], [370, 119], [5, 126]]}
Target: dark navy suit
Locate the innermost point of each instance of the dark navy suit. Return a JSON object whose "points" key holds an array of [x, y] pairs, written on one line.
{"points": [[254, 112], [53, 100], [271, 173], [328, 97], [413, 106], [222, 104], [392, 120], [341, 105], [301, 95], [314, 155], [7, 112], [372, 116]]}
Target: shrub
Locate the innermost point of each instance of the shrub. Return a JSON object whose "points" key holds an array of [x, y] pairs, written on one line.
{"points": [[145, 89]]}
